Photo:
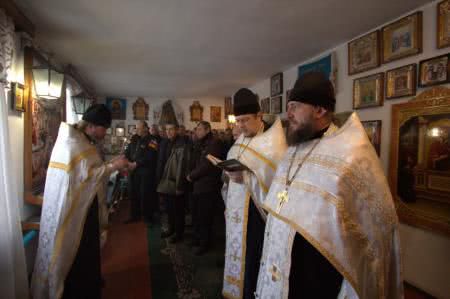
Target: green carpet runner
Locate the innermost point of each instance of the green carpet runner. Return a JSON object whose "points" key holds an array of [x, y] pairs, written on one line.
{"points": [[177, 273]]}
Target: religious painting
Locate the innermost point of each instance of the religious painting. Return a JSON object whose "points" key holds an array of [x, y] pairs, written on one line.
{"points": [[401, 82], [276, 84], [215, 114], [326, 65], [156, 115], [140, 109], [115, 145], [443, 24], [46, 116], [368, 91], [168, 115], [17, 96], [275, 105], [118, 108], [402, 38], [180, 117], [265, 105], [196, 111], [228, 106], [419, 171], [434, 71], [364, 53], [131, 130], [373, 130], [119, 131], [288, 96]]}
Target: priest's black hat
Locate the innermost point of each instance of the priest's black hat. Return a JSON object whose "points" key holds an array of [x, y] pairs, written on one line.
{"points": [[245, 102], [314, 88], [99, 115]]}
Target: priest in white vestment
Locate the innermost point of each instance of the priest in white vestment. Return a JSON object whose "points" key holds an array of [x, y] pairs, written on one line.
{"points": [[260, 149], [332, 229], [68, 258]]}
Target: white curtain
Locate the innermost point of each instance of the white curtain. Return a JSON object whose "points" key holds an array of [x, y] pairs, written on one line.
{"points": [[13, 277]]}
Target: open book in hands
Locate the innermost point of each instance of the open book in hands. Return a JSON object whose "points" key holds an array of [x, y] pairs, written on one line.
{"points": [[227, 165]]}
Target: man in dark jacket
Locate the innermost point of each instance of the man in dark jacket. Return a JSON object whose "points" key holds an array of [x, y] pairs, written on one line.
{"points": [[205, 178], [142, 151], [173, 184], [154, 131], [163, 153]]}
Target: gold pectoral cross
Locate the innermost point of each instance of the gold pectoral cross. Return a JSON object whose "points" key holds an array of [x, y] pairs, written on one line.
{"points": [[282, 199]]}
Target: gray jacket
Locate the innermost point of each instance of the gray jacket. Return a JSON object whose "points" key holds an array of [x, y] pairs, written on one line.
{"points": [[175, 171]]}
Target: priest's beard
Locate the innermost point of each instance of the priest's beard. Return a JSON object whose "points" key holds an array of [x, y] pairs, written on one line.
{"points": [[303, 133]]}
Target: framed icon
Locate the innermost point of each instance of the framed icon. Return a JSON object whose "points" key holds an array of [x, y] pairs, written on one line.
{"points": [[401, 82], [17, 100], [368, 91], [434, 71], [276, 84], [364, 53], [402, 38]]}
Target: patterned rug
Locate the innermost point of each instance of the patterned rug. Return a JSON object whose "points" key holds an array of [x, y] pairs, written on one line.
{"points": [[177, 273]]}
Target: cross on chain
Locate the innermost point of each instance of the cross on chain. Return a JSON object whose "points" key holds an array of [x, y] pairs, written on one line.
{"points": [[282, 199]]}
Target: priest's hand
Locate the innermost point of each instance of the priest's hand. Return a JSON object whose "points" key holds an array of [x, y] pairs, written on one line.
{"points": [[119, 163], [115, 158], [235, 176]]}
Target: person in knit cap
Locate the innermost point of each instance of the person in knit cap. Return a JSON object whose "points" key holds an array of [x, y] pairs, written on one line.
{"points": [[68, 257], [332, 229], [259, 147]]}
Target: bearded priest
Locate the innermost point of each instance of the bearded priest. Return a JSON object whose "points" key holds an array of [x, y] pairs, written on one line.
{"points": [[68, 258], [260, 148], [332, 229]]}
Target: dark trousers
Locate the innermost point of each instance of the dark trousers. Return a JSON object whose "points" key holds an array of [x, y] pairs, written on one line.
{"points": [[255, 239], [203, 216], [143, 196], [311, 274], [84, 278], [176, 213]]}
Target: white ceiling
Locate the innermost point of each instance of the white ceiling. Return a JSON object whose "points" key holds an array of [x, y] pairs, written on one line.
{"points": [[193, 48]]}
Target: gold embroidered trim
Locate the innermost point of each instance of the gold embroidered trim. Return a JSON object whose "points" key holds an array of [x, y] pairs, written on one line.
{"points": [[330, 257], [244, 242], [355, 181], [348, 224], [263, 186], [232, 280], [58, 165], [260, 156], [75, 201], [239, 282], [310, 189], [74, 162]]}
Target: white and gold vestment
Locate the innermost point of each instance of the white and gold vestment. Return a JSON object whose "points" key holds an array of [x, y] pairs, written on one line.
{"points": [[75, 175], [261, 155], [341, 204]]}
